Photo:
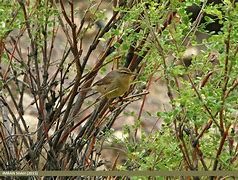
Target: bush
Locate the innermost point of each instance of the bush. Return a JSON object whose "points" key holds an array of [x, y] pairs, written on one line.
{"points": [[52, 52]]}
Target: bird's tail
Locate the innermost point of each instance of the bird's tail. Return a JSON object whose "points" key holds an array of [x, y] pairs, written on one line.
{"points": [[85, 89]]}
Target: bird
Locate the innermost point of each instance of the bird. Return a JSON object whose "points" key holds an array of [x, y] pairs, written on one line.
{"points": [[115, 83]]}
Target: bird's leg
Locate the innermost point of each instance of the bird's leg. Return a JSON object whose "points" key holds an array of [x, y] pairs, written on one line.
{"points": [[120, 98], [111, 108], [114, 105]]}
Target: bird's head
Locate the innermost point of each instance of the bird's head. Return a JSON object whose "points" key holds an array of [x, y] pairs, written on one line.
{"points": [[126, 72]]}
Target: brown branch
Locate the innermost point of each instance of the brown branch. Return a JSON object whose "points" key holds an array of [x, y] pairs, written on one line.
{"points": [[221, 146], [205, 106]]}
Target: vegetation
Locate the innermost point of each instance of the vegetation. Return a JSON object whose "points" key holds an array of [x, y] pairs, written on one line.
{"points": [[51, 53]]}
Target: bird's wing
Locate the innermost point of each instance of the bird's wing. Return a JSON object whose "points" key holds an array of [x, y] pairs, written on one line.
{"points": [[106, 80]]}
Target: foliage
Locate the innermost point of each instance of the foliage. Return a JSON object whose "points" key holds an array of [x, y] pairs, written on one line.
{"points": [[201, 124], [48, 54]]}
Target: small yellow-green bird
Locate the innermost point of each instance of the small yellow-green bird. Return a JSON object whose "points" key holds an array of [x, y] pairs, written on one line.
{"points": [[115, 83]]}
